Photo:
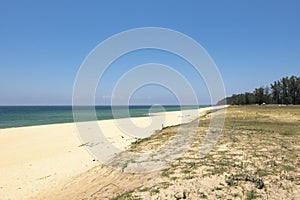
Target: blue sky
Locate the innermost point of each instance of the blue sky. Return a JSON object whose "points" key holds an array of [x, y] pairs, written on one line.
{"points": [[42, 44]]}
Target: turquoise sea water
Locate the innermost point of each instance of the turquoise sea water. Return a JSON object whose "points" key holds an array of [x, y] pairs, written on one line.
{"points": [[19, 116]]}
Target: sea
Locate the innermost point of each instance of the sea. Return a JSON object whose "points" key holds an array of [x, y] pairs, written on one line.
{"points": [[21, 116]]}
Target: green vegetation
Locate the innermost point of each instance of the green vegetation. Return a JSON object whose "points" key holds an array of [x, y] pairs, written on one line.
{"points": [[256, 157], [284, 91], [251, 195], [127, 196]]}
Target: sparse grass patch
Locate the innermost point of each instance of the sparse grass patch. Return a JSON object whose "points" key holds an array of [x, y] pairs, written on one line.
{"points": [[218, 170], [167, 172], [154, 191], [251, 195], [127, 196], [287, 168], [258, 148], [144, 189], [186, 171], [165, 185], [261, 172]]}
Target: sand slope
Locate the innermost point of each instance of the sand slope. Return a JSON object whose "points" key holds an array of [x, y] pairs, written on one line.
{"points": [[34, 159]]}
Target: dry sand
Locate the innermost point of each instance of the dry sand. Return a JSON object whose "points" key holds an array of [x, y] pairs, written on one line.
{"points": [[35, 159]]}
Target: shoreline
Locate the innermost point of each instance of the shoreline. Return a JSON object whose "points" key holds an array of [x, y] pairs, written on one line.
{"points": [[68, 116], [34, 158]]}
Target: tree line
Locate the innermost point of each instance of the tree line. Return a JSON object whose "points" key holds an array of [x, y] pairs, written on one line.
{"points": [[284, 91]]}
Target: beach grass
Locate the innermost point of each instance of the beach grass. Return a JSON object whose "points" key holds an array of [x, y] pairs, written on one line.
{"points": [[256, 157]]}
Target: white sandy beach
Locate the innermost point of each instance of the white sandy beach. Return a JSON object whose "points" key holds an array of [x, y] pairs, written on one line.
{"points": [[34, 159]]}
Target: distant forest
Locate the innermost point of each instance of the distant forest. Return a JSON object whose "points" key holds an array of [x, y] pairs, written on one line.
{"points": [[284, 91]]}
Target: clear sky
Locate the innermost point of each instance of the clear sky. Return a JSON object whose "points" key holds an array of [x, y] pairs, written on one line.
{"points": [[43, 43]]}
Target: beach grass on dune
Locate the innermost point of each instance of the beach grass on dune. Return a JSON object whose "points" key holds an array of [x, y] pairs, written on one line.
{"points": [[256, 156]]}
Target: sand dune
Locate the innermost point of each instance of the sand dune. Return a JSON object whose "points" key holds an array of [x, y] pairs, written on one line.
{"points": [[34, 159]]}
